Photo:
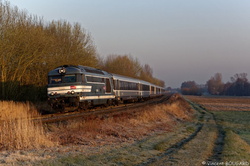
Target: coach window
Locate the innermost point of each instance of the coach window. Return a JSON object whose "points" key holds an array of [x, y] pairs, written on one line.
{"points": [[114, 84], [122, 85], [108, 87]]}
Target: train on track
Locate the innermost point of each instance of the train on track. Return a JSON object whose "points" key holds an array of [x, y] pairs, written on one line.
{"points": [[82, 87]]}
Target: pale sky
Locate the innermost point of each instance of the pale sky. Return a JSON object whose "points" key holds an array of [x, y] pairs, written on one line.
{"points": [[182, 40]]}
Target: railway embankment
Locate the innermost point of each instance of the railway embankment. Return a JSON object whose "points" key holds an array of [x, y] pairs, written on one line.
{"points": [[94, 135]]}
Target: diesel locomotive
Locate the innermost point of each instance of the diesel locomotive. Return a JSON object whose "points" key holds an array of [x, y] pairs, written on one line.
{"points": [[82, 87]]}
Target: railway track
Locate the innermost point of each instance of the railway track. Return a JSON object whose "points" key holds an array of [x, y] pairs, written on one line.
{"points": [[100, 112]]}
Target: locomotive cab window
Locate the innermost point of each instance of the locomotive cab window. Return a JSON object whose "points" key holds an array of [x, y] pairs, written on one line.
{"points": [[55, 80], [62, 79], [69, 78]]}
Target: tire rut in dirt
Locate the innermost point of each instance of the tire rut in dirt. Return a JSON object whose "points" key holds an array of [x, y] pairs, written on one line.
{"points": [[174, 148], [219, 143]]}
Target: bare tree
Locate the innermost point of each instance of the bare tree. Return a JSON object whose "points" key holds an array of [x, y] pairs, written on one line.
{"points": [[123, 65], [215, 84], [129, 66], [190, 88], [29, 48]]}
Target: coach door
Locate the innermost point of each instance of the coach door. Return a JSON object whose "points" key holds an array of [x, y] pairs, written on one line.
{"points": [[108, 86]]}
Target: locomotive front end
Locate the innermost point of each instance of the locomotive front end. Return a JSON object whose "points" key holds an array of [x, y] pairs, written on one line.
{"points": [[65, 85]]}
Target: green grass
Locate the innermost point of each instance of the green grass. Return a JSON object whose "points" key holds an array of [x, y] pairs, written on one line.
{"points": [[237, 121], [236, 124], [235, 148], [237, 140]]}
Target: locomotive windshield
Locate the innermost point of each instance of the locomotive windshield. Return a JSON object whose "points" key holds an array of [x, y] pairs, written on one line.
{"points": [[69, 78], [62, 79]]}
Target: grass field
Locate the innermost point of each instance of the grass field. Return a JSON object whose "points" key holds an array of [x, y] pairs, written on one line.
{"points": [[233, 114]]}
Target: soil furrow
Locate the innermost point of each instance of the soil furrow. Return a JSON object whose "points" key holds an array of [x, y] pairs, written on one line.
{"points": [[219, 144], [174, 148]]}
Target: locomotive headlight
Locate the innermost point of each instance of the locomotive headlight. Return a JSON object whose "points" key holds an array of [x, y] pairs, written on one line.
{"points": [[72, 92], [62, 70]]}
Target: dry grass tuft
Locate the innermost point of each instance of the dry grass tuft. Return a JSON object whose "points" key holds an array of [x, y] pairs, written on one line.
{"points": [[150, 114], [18, 130]]}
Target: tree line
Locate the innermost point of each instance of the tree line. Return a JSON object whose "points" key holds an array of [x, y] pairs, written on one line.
{"points": [[128, 66], [30, 47], [238, 86]]}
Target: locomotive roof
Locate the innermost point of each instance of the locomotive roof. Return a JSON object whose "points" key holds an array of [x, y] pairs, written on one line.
{"points": [[71, 69]]}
